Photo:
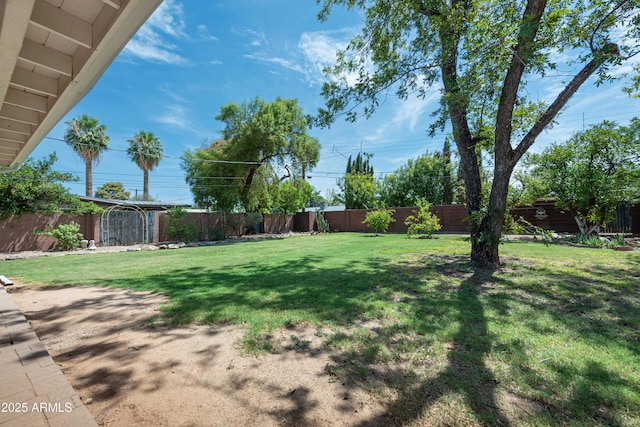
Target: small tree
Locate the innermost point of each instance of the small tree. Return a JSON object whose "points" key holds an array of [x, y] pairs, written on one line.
{"points": [[379, 220], [176, 229], [422, 221], [321, 222], [112, 190], [592, 173]]}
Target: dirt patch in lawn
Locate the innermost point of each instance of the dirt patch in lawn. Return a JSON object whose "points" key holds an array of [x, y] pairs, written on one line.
{"points": [[131, 373]]}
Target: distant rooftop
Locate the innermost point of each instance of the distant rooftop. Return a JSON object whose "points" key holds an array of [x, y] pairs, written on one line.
{"points": [[145, 205]]}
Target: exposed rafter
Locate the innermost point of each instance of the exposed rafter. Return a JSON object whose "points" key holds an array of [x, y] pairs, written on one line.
{"points": [[52, 53], [51, 18], [46, 57]]}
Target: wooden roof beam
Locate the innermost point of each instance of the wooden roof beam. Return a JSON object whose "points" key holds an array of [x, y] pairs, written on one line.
{"points": [[23, 99], [51, 18], [18, 114], [33, 82], [113, 3], [46, 57]]}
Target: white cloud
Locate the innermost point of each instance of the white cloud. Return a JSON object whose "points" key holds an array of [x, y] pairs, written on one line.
{"points": [[256, 38], [411, 111], [176, 116], [203, 32], [284, 63], [319, 51], [314, 52], [150, 43]]}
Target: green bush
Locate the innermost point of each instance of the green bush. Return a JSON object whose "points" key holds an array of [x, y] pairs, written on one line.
{"points": [[176, 229], [422, 221], [522, 226], [174, 225], [216, 234], [379, 220], [68, 235], [321, 222], [252, 219], [244, 223]]}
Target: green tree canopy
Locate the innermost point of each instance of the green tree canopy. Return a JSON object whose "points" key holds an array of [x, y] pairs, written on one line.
{"points": [[592, 173], [293, 195], [262, 143], [359, 190], [112, 190], [480, 55], [145, 150], [36, 187], [88, 139], [358, 186], [428, 177]]}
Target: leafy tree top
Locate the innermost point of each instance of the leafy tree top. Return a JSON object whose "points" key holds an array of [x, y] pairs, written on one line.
{"points": [[113, 190], [145, 149], [259, 140], [87, 137], [480, 55], [36, 187]]}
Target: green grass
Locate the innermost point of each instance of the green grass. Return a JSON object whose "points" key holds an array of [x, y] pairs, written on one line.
{"points": [[553, 339]]}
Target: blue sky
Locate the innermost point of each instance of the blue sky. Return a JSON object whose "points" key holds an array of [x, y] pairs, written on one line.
{"points": [[193, 56]]}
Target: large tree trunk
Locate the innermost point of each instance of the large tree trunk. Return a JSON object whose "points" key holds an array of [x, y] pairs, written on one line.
{"points": [[145, 185], [88, 170], [485, 238], [486, 226]]}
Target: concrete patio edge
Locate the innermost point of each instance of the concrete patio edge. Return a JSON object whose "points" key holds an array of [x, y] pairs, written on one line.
{"points": [[33, 390]]}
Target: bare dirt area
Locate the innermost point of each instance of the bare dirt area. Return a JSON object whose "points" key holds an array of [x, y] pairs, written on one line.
{"points": [[129, 372]]}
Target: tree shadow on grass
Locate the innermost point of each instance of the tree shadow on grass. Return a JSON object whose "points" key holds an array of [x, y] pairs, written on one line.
{"points": [[347, 297], [421, 305]]}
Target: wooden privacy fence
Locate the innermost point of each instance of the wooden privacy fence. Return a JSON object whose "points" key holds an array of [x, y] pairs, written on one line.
{"points": [[451, 218], [206, 225], [132, 227]]}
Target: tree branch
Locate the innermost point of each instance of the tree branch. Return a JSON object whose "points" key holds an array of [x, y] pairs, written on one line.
{"points": [[528, 30], [600, 58]]}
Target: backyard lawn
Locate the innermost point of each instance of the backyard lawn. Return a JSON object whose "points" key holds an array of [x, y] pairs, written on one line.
{"points": [[552, 339]]}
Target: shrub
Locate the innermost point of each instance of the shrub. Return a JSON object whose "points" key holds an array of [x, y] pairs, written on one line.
{"points": [[422, 221], [379, 220], [321, 222], [617, 240], [251, 220], [68, 235], [216, 234], [244, 223], [174, 225], [175, 228], [522, 226]]}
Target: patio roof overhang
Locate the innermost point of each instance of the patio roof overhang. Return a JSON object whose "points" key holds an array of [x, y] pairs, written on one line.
{"points": [[52, 52]]}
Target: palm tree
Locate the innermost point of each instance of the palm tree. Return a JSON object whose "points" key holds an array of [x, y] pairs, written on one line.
{"points": [[88, 139], [146, 151]]}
